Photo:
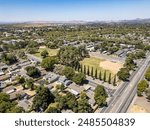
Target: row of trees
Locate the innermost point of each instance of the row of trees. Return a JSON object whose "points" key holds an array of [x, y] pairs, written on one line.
{"points": [[94, 73], [129, 64]]}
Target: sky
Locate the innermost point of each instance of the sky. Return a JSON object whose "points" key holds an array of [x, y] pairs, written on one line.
{"points": [[69, 10]]}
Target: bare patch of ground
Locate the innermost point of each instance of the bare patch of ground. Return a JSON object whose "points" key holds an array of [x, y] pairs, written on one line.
{"points": [[137, 109], [114, 67], [141, 105]]}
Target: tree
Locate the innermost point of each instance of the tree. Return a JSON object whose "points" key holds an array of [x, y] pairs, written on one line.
{"points": [[21, 54], [109, 79], [100, 95], [69, 72], [104, 76], [81, 68], [32, 50], [44, 53], [140, 54], [123, 74], [8, 106], [100, 75], [48, 63], [33, 71], [88, 71], [96, 73], [147, 74], [83, 105], [69, 55], [84, 69], [78, 78], [42, 99], [129, 63], [53, 108], [92, 72], [142, 86], [9, 59], [83, 51], [148, 94], [71, 102], [78, 67], [20, 80], [114, 82], [29, 84]]}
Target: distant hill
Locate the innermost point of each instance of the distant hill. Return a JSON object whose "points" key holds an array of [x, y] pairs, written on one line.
{"points": [[134, 21]]}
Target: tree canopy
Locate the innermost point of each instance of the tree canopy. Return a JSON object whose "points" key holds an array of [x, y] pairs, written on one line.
{"points": [[100, 95]]}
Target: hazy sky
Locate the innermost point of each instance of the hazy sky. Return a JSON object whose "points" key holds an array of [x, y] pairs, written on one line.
{"points": [[67, 10]]}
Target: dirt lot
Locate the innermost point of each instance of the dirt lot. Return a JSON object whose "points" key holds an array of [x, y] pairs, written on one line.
{"points": [[114, 67], [141, 105]]}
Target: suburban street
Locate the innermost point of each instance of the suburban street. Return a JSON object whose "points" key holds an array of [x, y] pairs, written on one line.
{"points": [[123, 97]]}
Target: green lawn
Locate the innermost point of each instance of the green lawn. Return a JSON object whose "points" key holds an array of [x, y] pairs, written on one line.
{"points": [[52, 52], [95, 63]]}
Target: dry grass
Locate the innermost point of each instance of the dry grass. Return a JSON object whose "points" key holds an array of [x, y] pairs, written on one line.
{"points": [[95, 63], [52, 52], [114, 67]]}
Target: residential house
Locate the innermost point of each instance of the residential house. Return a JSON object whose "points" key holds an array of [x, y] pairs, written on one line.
{"points": [[51, 77], [75, 89]]}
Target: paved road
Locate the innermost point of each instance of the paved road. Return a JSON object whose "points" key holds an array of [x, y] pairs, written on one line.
{"points": [[123, 97]]}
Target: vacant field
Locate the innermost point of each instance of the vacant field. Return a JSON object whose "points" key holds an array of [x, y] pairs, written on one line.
{"points": [[95, 63], [114, 67], [52, 52]]}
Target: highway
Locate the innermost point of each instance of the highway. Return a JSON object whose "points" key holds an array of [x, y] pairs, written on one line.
{"points": [[123, 96]]}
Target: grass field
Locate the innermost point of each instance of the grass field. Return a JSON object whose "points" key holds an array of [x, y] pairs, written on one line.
{"points": [[95, 63], [52, 52]]}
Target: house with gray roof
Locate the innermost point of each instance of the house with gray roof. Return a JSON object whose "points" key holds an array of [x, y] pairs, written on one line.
{"points": [[75, 89], [51, 77]]}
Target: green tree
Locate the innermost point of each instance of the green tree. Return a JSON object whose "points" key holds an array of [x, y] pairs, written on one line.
{"points": [[42, 99], [48, 63], [109, 79], [68, 72], [88, 71], [81, 68], [83, 105], [147, 74], [129, 63], [69, 55], [96, 73], [53, 108], [104, 76], [20, 80], [100, 95], [100, 75], [8, 106], [92, 72], [78, 78], [123, 74], [71, 102], [33, 71], [142, 86], [84, 69], [29, 84], [44, 53], [114, 81]]}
